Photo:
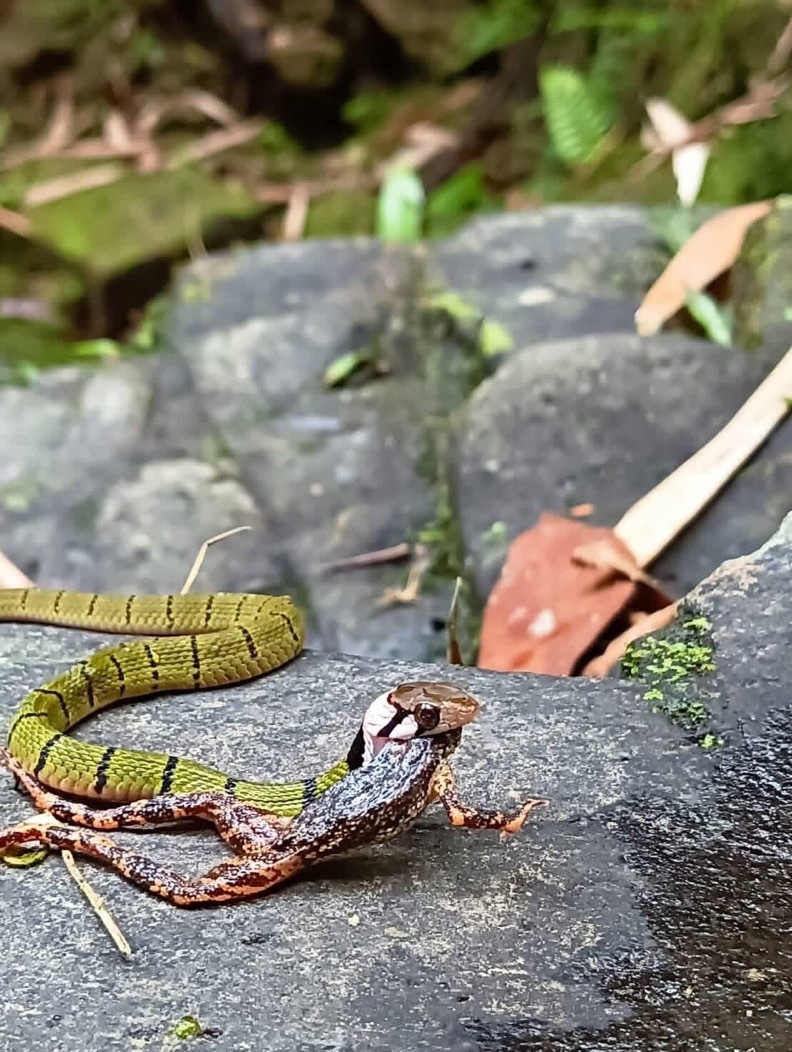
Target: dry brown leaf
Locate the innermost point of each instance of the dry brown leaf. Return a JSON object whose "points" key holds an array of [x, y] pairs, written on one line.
{"points": [[155, 110], [669, 129], [15, 223], [11, 576], [60, 128], [642, 625], [91, 149], [546, 610], [758, 105], [73, 183], [780, 55], [216, 142], [709, 252], [118, 134], [608, 555], [296, 213], [422, 142]]}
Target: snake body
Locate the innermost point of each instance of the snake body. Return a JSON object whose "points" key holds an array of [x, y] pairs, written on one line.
{"points": [[196, 641]]}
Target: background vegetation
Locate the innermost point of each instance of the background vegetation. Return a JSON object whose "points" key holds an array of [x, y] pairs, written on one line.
{"points": [[137, 133]]}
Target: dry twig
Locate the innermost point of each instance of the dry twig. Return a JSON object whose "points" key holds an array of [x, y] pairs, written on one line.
{"points": [[98, 904], [375, 558], [651, 524], [412, 587], [199, 558]]}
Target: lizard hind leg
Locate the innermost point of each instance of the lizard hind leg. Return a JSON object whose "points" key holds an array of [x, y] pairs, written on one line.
{"points": [[245, 828], [236, 879], [461, 814]]}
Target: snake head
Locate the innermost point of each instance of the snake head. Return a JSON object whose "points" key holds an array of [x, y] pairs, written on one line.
{"points": [[416, 710]]}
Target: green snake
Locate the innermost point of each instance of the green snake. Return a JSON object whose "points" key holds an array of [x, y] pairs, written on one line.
{"points": [[195, 642]]}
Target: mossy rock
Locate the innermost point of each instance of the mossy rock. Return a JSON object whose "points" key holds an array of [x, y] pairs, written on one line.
{"points": [[341, 213], [110, 229], [674, 664], [762, 280]]}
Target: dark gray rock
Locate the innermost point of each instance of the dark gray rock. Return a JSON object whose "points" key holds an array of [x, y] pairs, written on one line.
{"points": [[560, 271], [603, 419], [334, 472], [644, 909], [113, 476]]}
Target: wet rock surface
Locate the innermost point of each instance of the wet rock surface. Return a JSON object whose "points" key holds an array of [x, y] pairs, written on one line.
{"points": [[643, 909], [113, 477]]}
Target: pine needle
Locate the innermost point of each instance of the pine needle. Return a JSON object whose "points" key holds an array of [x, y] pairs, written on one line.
{"points": [[199, 558], [98, 904], [453, 649]]}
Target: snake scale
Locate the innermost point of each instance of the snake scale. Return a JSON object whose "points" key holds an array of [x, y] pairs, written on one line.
{"points": [[194, 642]]}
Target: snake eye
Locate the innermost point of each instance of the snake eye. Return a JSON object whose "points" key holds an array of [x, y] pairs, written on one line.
{"points": [[426, 715]]}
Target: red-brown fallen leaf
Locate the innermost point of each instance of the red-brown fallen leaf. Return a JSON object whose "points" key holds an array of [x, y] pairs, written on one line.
{"points": [[547, 609], [642, 625], [709, 252]]}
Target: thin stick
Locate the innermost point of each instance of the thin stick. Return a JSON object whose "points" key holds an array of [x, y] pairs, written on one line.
{"points": [[453, 649], [199, 558], [652, 523], [296, 213], [16, 223], [11, 576], [99, 905], [419, 565], [380, 555]]}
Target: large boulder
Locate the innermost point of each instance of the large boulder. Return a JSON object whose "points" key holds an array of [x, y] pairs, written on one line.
{"points": [[644, 909]]}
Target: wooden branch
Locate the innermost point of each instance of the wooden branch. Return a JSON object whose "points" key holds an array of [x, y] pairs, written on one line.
{"points": [[651, 524]]}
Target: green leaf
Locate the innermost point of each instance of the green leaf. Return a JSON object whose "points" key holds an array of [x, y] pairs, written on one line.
{"points": [[188, 1026], [463, 195], [400, 206], [23, 859], [369, 109], [494, 339], [453, 304], [577, 118], [344, 367], [714, 320], [496, 535], [493, 26], [97, 349], [5, 126]]}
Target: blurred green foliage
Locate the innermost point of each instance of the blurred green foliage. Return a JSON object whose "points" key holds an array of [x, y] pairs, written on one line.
{"points": [[566, 126]]}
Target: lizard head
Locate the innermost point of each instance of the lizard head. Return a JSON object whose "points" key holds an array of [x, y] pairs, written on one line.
{"points": [[412, 710]]}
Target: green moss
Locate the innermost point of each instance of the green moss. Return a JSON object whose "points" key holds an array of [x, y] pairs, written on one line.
{"points": [[674, 665], [341, 213], [19, 496], [761, 283], [112, 228], [187, 1027]]}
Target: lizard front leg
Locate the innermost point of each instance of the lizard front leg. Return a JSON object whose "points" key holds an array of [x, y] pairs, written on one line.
{"points": [[459, 814], [246, 829], [236, 879]]}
